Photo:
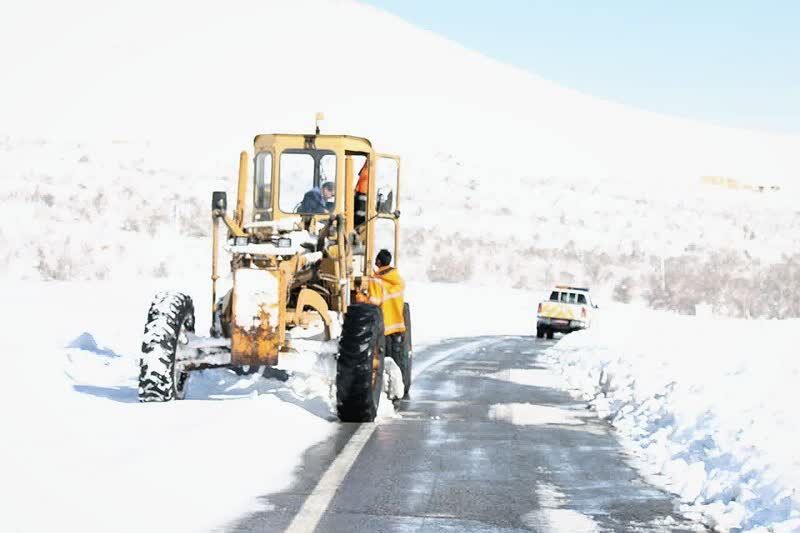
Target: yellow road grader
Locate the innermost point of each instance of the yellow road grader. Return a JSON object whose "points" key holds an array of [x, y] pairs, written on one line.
{"points": [[294, 264]]}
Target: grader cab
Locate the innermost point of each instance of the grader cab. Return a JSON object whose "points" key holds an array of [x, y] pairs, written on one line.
{"points": [[302, 240]]}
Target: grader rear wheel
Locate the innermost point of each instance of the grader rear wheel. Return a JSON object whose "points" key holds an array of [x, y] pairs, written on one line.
{"points": [[359, 369]]}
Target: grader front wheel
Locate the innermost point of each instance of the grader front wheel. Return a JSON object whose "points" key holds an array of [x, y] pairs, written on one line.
{"points": [[359, 369], [170, 318]]}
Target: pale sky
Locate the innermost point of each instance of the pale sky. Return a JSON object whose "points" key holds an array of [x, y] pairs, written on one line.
{"points": [[732, 62]]}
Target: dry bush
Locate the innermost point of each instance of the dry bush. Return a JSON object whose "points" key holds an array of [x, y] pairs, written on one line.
{"points": [[451, 268], [735, 285], [623, 290]]}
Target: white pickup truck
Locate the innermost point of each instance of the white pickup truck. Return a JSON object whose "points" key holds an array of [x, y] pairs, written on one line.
{"points": [[568, 309]]}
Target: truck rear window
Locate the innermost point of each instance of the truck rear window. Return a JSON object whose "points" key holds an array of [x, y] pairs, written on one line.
{"points": [[568, 297]]}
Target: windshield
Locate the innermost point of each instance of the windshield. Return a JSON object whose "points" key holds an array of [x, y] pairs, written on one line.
{"points": [[307, 181]]}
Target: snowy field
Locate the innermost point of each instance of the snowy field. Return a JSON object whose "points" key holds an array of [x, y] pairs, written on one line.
{"points": [[77, 443], [707, 406]]}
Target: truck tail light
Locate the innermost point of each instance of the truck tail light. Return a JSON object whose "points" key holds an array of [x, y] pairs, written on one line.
{"points": [[539, 309], [583, 312]]}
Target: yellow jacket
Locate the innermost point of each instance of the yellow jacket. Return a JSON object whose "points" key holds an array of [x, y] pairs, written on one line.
{"points": [[386, 289]]}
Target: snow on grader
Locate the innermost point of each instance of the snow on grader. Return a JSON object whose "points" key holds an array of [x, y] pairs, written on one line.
{"points": [[301, 249]]}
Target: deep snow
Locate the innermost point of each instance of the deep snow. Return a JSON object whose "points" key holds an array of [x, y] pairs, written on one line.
{"points": [[707, 406]]}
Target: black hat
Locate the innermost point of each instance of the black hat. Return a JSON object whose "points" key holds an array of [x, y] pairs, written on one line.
{"points": [[384, 258]]}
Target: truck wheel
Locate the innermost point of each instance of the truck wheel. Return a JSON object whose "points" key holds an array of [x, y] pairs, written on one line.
{"points": [[399, 348], [359, 368], [170, 318], [550, 334], [539, 333]]}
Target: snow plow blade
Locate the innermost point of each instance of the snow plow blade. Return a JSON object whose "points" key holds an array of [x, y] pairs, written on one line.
{"points": [[257, 303]]}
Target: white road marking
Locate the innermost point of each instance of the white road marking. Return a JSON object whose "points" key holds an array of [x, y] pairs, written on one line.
{"points": [[320, 498]]}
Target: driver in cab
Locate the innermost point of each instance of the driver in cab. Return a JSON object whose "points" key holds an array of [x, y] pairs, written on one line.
{"points": [[318, 199]]}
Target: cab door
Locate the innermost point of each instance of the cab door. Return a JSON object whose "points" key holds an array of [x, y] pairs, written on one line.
{"points": [[384, 208]]}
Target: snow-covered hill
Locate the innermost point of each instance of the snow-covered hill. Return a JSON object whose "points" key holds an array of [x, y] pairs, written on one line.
{"points": [[213, 74], [121, 117]]}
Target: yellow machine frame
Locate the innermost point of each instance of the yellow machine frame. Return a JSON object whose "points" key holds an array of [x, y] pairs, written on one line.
{"points": [[257, 337]]}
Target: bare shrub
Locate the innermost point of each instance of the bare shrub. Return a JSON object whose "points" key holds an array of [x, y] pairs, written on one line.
{"points": [[623, 290], [194, 219], [55, 266], [451, 268], [100, 202], [161, 270], [734, 284], [154, 222], [597, 266], [130, 224]]}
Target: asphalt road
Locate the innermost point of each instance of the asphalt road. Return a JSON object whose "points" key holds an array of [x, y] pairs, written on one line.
{"points": [[463, 457]]}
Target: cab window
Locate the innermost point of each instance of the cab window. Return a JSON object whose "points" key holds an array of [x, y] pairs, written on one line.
{"points": [[554, 296], [582, 299], [386, 184], [263, 187], [303, 173]]}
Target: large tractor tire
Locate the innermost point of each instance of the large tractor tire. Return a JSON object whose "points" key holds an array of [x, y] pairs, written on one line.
{"points": [[399, 348], [171, 316], [359, 368]]}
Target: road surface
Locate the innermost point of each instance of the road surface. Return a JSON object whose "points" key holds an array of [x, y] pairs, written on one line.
{"points": [[486, 443]]}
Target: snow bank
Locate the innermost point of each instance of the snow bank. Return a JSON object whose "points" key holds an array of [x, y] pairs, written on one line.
{"points": [[706, 406]]}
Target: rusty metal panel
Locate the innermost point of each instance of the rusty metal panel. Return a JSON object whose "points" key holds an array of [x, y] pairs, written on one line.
{"points": [[257, 321]]}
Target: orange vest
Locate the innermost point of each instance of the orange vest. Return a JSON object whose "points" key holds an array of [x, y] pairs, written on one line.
{"points": [[363, 180], [361, 196]]}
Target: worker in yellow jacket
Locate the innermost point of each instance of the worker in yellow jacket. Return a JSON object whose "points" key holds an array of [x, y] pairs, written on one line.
{"points": [[386, 289]]}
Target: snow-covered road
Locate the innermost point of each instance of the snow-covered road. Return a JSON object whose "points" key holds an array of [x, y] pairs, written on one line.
{"points": [[487, 442], [76, 442]]}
